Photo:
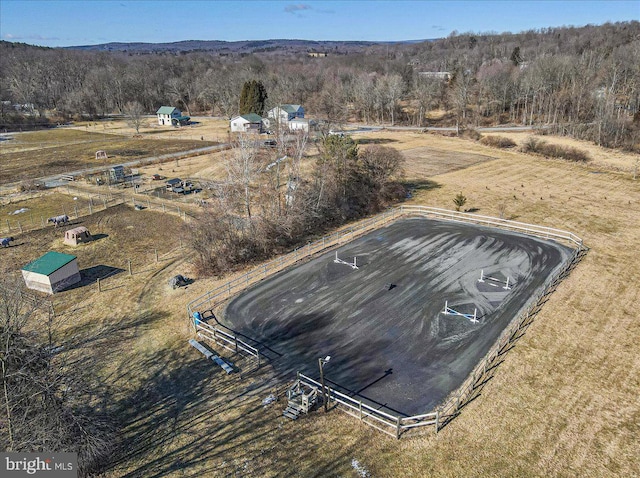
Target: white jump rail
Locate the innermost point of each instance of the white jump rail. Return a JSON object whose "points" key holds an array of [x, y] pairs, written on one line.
{"points": [[212, 298]]}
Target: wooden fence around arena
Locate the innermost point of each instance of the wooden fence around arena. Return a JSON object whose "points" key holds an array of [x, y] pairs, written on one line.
{"points": [[393, 425], [443, 414]]}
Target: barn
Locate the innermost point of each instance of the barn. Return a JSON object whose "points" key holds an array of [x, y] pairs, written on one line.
{"points": [[52, 272], [77, 235]]}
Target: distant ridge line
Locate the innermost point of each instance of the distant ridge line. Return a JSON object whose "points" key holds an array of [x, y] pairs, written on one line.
{"points": [[241, 46]]}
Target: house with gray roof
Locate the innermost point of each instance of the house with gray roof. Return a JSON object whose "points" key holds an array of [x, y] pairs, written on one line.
{"points": [[249, 123], [284, 113]]}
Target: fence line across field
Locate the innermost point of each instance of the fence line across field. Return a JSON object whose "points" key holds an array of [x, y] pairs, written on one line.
{"points": [[451, 407], [96, 203]]}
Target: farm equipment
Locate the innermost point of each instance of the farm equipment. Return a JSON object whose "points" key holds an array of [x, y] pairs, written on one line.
{"points": [[179, 281]]}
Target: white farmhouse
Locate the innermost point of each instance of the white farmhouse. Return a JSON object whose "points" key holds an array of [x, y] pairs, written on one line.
{"points": [[170, 116], [246, 123], [52, 272], [285, 113], [166, 114]]}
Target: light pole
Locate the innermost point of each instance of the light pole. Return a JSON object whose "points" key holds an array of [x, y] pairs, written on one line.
{"points": [[321, 362]]}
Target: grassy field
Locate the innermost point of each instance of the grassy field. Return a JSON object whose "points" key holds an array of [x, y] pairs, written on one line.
{"points": [[121, 233], [32, 210], [201, 128], [563, 403], [58, 151]]}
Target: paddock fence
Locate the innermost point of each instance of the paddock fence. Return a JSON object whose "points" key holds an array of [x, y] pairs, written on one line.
{"points": [[393, 425], [387, 423], [529, 229], [226, 340], [211, 299], [90, 203]]}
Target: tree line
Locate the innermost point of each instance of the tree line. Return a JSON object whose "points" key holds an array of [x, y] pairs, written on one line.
{"points": [[585, 81], [263, 209]]}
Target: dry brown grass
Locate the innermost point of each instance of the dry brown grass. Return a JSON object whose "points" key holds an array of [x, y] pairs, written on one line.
{"points": [[57, 151], [122, 234], [600, 157], [564, 402], [39, 205], [211, 129]]}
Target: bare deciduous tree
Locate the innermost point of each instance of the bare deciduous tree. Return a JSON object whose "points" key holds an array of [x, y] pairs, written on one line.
{"points": [[134, 113], [44, 403], [243, 168]]}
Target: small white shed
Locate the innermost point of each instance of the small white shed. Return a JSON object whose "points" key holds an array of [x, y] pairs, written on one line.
{"points": [[301, 124], [52, 272]]}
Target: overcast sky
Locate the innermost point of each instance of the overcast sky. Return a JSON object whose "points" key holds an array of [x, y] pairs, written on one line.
{"points": [[82, 22]]}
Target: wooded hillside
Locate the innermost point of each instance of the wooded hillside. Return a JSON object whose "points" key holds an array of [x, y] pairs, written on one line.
{"points": [[585, 81]]}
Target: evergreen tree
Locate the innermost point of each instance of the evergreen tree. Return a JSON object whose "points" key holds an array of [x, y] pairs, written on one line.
{"points": [[252, 98], [516, 57]]}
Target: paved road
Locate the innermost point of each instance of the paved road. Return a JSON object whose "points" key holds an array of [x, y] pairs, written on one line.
{"points": [[357, 128]]}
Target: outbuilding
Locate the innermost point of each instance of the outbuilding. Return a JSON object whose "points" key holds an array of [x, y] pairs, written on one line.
{"points": [[77, 235], [249, 123], [52, 272], [116, 174], [301, 124]]}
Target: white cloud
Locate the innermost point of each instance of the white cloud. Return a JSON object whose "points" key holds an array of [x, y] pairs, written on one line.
{"points": [[295, 8]]}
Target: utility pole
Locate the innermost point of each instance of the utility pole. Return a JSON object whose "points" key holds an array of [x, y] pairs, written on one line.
{"points": [[321, 362]]}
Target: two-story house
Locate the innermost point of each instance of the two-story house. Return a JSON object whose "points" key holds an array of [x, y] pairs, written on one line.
{"points": [[285, 113], [170, 116]]}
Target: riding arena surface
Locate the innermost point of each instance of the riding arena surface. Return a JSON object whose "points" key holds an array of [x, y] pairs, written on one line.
{"points": [[383, 324]]}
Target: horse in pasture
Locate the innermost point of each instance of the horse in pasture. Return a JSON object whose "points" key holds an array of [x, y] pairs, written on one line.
{"points": [[59, 220], [4, 241]]}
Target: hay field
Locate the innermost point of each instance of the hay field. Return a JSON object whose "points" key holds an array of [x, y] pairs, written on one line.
{"points": [[563, 403], [600, 157], [202, 128], [57, 151]]}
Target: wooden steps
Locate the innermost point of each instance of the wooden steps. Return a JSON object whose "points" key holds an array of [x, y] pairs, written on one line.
{"points": [[292, 411]]}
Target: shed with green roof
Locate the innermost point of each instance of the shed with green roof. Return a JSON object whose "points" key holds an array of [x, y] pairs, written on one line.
{"points": [[52, 272]]}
